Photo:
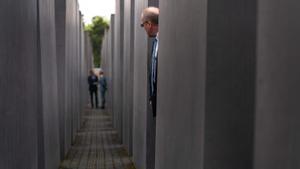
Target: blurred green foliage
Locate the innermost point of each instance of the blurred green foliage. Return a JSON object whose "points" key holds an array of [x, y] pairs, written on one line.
{"points": [[96, 31]]}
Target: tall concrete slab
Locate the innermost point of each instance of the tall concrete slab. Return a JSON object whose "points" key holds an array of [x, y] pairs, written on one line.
{"points": [[208, 118], [153, 3], [76, 89], [48, 125], [30, 83], [277, 109], [181, 84], [70, 79], [118, 68], [112, 50], [105, 57], [109, 67], [106, 66], [104, 50], [88, 54], [84, 69], [88, 57], [103, 53], [230, 84], [73, 63], [19, 100], [28, 106], [128, 74], [73, 56], [140, 86], [60, 18], [76, 102]]}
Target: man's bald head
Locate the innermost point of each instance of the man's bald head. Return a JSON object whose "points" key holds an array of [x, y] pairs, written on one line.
{"points": [[150, 14]]}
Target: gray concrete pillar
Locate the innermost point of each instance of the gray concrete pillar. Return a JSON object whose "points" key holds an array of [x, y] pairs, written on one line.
{"points": [[83, 72], [230, 74], [104, 59], [206, 84], [19, 66], [88, 57], [70, 79], [181, 85], [110, 66], [278, 93], [48, 125], [76, 69], [106, 66], [28, 101], [118, 68], [104, 51], [153, 3], [60, 18], [76, 103], [128, 74], [140, 100], [70, 60], [88, 54]]}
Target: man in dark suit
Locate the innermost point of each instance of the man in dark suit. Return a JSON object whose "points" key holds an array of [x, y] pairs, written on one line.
{"points": [[149, 21], [93, 82]]}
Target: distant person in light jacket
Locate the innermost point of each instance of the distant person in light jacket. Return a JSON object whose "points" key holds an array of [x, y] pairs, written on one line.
{"points": [[103, 88], [149, 21], [93, 82]]}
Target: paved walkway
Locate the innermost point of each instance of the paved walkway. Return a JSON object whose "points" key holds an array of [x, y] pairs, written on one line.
{"points": [[96, 145]]}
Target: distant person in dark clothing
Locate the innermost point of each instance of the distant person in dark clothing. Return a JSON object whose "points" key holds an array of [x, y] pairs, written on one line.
{"points": [[93, 81], [103, 88]]}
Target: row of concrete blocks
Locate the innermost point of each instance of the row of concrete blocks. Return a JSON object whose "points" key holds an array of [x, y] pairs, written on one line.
{"points": [[228, 84], [44, 62]]}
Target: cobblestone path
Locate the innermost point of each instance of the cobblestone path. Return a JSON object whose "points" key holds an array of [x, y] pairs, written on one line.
{"points": [[96, 145]]}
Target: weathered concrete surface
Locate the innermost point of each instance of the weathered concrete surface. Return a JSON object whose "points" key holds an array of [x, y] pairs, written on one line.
{"points": [[118, 68], [18, 84], [223, 58], [112, 39], [71, 69], [85, 64], [153, 3], [139, 89], [88, 55], [110, 67], [128, 73], [48, 123], [33, 80], [207, 76], [29, 116], [60, 18], [181, 85], [107, 63], [278, 85], [230, 84]]}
